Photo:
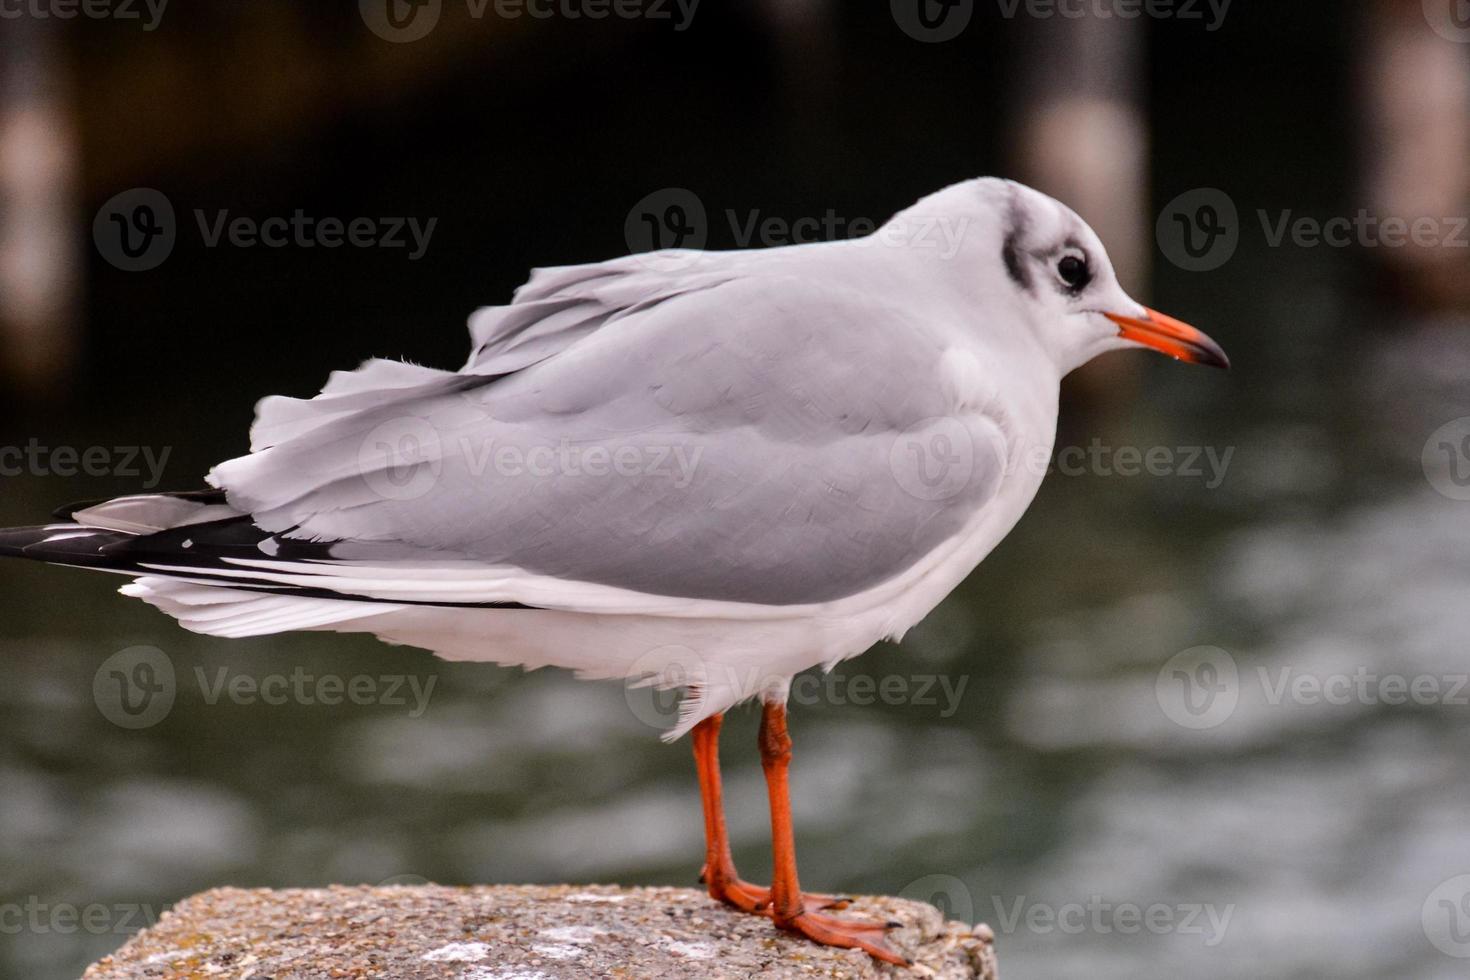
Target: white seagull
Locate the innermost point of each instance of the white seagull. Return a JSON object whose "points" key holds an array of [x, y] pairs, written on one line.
{"points": [[702, 470]]}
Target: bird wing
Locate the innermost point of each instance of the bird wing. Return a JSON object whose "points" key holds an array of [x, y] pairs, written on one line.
{"points": [[729, 436]]}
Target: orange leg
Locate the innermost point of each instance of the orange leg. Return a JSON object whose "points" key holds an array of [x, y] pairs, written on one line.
{"points": [[788, 908], [719, 867]]}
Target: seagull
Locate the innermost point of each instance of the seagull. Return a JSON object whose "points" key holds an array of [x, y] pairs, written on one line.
{"points": [[692, 470]]}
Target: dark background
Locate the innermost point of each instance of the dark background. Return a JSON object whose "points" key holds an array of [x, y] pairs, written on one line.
{"points": [[1332, 832]]}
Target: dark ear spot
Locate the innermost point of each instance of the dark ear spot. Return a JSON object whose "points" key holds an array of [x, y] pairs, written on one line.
{"points": [[1011, 250], [1013, 263]]}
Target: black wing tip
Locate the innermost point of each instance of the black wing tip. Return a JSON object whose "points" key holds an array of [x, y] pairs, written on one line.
{"points": [[88, 547], [14, 540], [68, 544]]}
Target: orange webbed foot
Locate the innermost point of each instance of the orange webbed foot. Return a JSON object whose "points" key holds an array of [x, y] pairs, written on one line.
{"points": [[829, 930], [757, 899]]}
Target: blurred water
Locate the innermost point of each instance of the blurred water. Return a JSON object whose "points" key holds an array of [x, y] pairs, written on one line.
{"points": [[1288, 839]]}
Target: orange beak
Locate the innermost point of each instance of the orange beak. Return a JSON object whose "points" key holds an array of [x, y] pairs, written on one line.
{"points": [[1173, 337]]}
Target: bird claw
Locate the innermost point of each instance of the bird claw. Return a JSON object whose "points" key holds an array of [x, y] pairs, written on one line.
{"points": [[811, 921], [828, 930], [756, 899]]}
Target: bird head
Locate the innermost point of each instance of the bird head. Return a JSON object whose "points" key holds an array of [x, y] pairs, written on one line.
{"points": [[1032, 255]]}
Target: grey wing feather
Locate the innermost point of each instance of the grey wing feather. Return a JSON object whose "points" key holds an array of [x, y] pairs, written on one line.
{"points": [[732, 439], [561, 305]]}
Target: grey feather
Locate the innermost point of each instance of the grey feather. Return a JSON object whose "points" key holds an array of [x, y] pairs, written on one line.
{"points": [[756, 414]]}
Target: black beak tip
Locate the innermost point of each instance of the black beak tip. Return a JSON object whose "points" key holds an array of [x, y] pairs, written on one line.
{"points": [[1210, 354]]}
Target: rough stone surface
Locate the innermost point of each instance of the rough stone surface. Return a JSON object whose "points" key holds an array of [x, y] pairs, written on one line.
{"points": [[516, 933]]}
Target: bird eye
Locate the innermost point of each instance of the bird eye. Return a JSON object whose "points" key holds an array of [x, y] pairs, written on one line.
{"points": [[1073, 271]]}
